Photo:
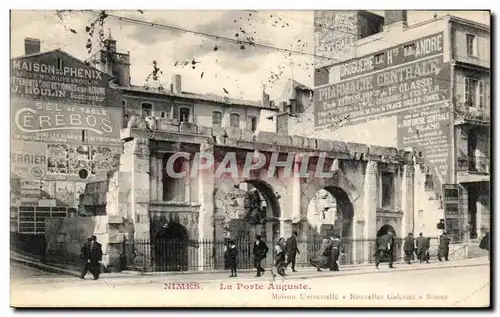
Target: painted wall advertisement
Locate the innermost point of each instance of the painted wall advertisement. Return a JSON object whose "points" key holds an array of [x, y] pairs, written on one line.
{"points": [[335, 35], [428, 130], [34, 79], [364, 91], [54, 122], [56, 161]]}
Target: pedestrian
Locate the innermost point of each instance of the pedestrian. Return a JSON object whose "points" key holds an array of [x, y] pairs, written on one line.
{"points": [[279, 259], [232, 258], [91, 254], [427, 248], [323, 257], [292, 250], [385, 247], [335, 253], [444, 246], [260, 250], [409, 247], [485, 243], [421, 247]]}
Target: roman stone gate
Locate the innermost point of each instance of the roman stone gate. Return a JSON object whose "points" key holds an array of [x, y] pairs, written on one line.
{"points": [[365, 187]]}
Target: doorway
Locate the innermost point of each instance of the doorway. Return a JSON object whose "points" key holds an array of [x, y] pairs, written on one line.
{"points": [[171, 248]]}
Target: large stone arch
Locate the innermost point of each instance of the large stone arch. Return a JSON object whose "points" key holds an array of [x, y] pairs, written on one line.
{"points": [[312, 186], [271, 190]]}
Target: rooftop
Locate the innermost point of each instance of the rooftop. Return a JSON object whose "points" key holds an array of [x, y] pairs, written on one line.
{"points": [[193, 96]]}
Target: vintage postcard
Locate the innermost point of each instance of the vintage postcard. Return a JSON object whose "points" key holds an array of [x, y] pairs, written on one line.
{"points": [[250, 158]]}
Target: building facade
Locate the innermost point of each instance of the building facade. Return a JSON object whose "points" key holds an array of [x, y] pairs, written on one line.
{"points": [[165, 105], [423, 87], [63, 135]]}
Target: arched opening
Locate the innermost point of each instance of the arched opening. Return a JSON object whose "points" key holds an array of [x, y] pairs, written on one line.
{"points": [[385, 229], [330, 212], [171, 247], [243, 211]]}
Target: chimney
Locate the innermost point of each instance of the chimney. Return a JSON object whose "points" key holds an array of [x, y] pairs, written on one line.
{"points": [[265, 99], [176, 84], [31, 46], [395, 17]]}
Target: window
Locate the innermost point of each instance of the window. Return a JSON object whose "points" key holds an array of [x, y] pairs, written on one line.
{"points": [[474, 93], [216, 119], [369, 24], [146, 109], [471, 42], [59, 62], [184, 114], [387, 194], [252, 123], [235, 120], [163, 114]]}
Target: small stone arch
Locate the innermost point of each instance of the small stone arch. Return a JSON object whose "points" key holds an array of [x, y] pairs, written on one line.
{"points": [[171, 241], [384, 229]]}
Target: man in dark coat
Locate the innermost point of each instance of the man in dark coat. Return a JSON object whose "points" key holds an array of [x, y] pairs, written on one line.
{"points": [[232, 257], [260, 250], [421, 247], [91, 254], [292, 250], [485, 243], [409, 247], [335, 253], [323, 257], [444, 246], [385, 246]]}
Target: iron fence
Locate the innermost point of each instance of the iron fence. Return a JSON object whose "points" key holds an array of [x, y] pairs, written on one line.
{"points": [[202, 255]]}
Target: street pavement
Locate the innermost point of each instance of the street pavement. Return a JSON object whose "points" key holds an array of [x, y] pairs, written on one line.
{"points": [[464, 283]]}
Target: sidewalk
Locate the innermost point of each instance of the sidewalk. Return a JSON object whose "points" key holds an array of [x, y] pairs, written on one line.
{"points": [[129, 277]]}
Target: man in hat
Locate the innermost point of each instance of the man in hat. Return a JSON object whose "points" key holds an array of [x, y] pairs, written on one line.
{"points": [[444, 246], [260, 250], [421, 247], [292, 250], [409, 247], [91, 253]]}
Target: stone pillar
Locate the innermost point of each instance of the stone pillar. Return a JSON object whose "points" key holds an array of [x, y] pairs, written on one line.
{"points": [[153, 178], [206, 188], [482, 216], [370, 205], [187, 181], [140, 196], [296, 192], [159, 182], [407, 200]]}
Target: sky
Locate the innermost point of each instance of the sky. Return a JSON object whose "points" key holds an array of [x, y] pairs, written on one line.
{"points": [[241, 71]]}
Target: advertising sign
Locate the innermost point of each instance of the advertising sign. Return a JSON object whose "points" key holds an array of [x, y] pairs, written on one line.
{"points": [[33, 79], [56, 161], [397, 55], [64, 123], [28, 160], [334, 36], [383, 93], [429, 131]]}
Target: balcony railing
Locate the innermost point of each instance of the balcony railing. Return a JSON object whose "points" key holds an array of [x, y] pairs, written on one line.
{"points": [[479, 164], [473, 113]]}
